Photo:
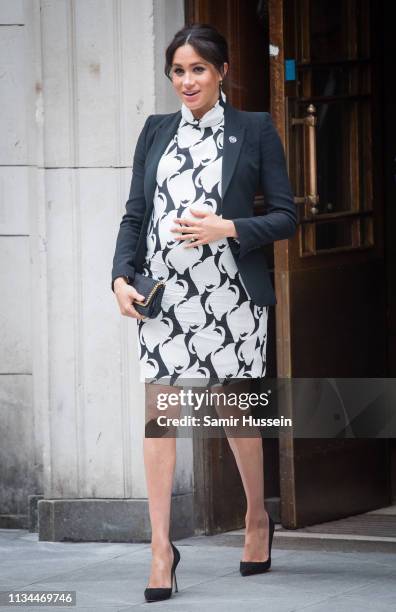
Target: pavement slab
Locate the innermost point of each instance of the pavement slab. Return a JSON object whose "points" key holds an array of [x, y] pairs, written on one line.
{"points": [[112, 576]]}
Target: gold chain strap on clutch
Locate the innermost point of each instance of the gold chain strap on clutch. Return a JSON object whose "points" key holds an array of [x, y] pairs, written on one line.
{"points": [[152, 292]]}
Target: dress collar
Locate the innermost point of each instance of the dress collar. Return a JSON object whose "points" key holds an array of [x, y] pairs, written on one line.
{"points": [[212, 117]]}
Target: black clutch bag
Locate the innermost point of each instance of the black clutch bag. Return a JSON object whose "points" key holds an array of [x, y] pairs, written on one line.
{"points": [[152, 290]]}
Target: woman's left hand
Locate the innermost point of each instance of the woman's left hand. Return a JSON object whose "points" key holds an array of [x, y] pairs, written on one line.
{"points": [[206, 228]]}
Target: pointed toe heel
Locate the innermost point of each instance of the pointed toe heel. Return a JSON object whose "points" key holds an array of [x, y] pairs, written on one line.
{"points": [[159, 594], [248, 568]]}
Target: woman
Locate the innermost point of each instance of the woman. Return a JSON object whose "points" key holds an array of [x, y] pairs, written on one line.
{"points": [[189, 222]]}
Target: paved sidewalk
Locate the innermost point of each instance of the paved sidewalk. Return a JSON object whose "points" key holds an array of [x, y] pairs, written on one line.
{"points": [[112, 577]]}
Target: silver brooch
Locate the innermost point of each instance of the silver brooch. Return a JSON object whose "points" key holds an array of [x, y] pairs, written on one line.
{"points": [[232, 138]]}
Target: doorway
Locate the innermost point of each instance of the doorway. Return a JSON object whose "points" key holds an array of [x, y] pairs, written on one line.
{"points": [[319, 68]]}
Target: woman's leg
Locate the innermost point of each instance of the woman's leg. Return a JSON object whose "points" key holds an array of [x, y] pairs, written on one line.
{"points": [[248, 453], [159, 461]]}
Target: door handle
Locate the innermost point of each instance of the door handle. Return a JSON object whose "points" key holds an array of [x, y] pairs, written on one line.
{"points": [[311, 199]]}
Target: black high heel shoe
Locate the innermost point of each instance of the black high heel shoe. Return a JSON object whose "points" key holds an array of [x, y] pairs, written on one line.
{"points": [[247, 568], [158, 594]]}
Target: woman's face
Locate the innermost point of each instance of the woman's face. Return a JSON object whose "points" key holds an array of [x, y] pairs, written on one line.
{"points": [[191, 74]]}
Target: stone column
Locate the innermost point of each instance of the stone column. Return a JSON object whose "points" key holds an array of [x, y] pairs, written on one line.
{"points": [[99, 81]]}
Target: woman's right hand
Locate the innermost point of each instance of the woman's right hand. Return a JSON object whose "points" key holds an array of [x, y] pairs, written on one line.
{"points": [[126, 295]]}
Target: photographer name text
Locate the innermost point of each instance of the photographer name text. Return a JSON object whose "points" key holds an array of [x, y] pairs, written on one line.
{"points": [[231, 421]]}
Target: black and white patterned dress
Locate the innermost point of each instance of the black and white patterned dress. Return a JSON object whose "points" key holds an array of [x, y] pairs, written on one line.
{"points": [[208, 326]]}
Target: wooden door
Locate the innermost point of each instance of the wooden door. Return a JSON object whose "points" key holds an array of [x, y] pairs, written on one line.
{"points": [[219, 497], [331, 316]]}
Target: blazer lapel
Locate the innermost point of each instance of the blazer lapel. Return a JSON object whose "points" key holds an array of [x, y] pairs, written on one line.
{"points": [[234, 134], [163, 135]]}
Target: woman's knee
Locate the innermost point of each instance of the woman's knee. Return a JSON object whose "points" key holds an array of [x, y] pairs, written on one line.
{"points": [[160, 400]]}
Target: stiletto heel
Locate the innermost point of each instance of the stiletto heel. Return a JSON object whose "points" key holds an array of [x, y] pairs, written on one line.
{"points": [[158, 594], [247, 568]]}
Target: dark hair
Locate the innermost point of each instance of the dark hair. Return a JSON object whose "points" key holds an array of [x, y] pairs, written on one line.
{"points": [[205, 40]]}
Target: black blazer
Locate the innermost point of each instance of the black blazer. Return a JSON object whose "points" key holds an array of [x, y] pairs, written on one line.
{"points": [[253, 157]]}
